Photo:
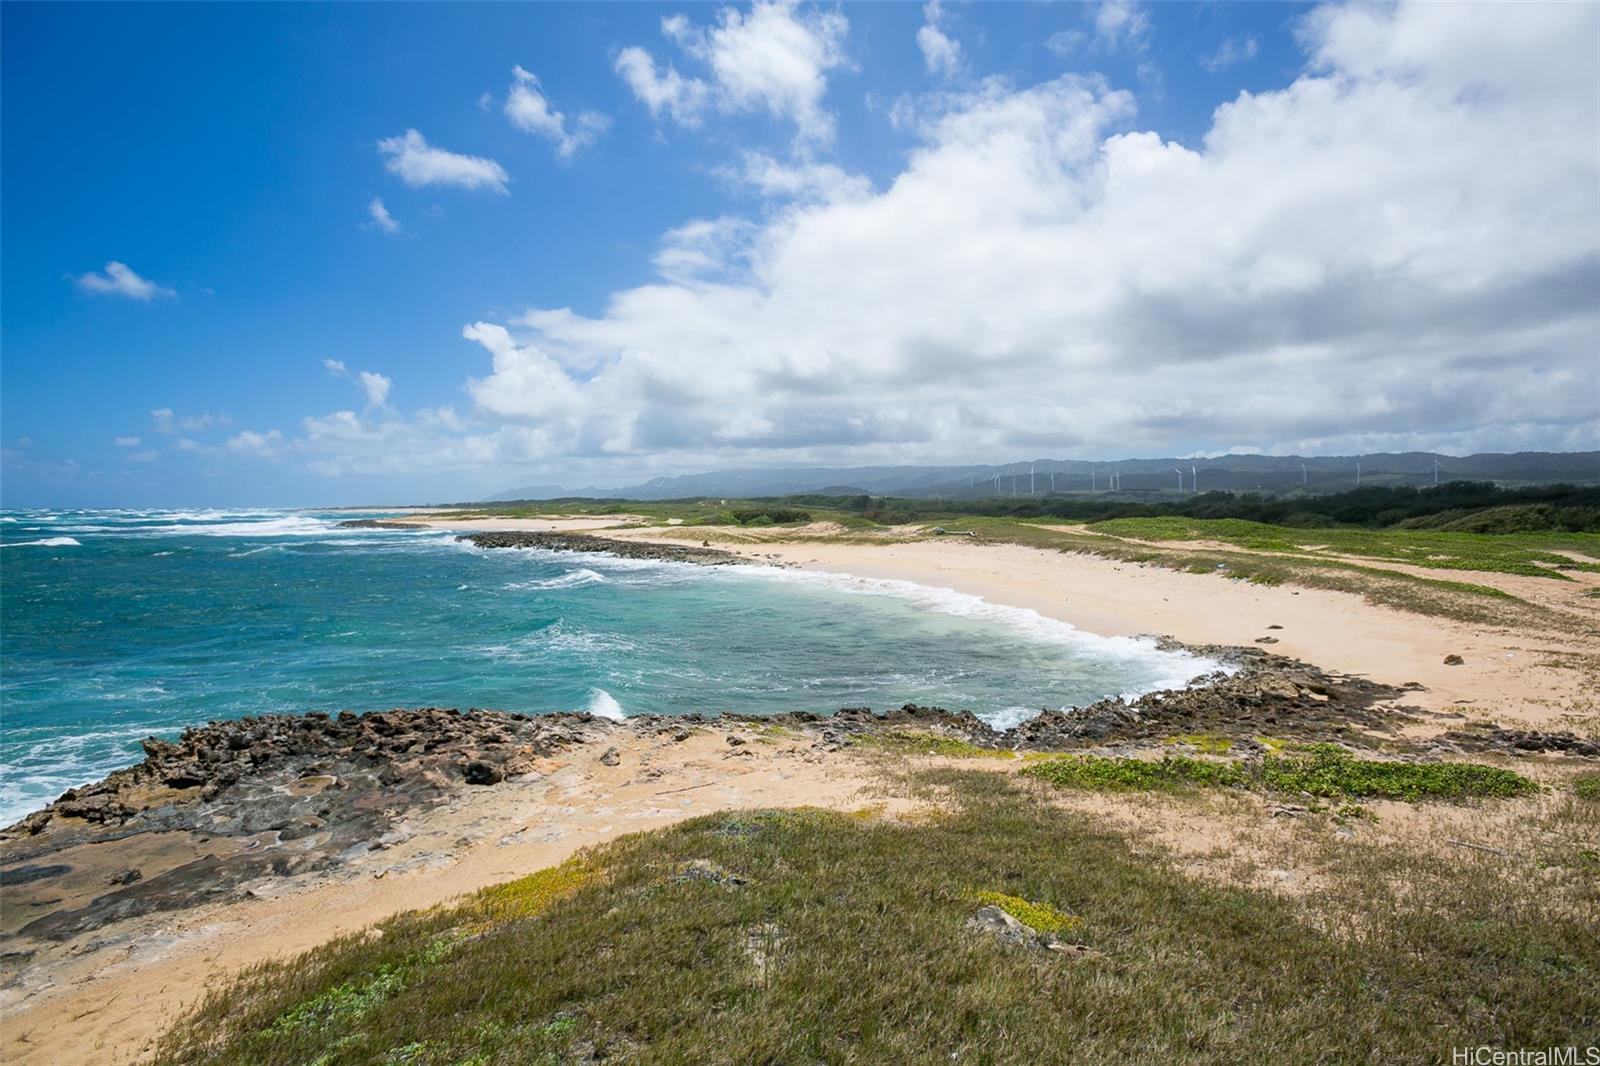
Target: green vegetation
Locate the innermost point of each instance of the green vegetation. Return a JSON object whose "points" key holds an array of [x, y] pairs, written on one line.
{"points": [[1323, 770], [1040, 917], [1586, 786], [931, 744], [1531, 555], [844, 940]]}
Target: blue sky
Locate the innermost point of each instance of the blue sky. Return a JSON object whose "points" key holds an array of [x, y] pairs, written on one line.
{"points": [[778, 234]]}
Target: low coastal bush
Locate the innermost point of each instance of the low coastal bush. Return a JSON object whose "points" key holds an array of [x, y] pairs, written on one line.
{"points": [[1040, 917], [1323, 770], [806, 936]]}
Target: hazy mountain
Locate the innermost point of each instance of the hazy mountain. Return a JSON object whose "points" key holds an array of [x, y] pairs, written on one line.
{"points": [[1272, 473]]}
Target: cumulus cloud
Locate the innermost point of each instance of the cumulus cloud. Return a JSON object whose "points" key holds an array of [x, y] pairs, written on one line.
{"points": [[1232, 51], [1396, 250], [417, 163], [381, 218], [775, 58], [940, 52], [119, 279], [529, 110], [1400, 245], [127, 442]]}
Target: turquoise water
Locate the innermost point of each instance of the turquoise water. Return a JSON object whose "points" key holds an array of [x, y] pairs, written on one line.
{"points": [[118, 625]]}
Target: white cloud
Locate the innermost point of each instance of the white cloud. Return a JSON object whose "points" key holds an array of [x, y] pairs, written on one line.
{"points": [[127, 442], [941, 52], [118, 279], [803, 180], [262, 445], [1400, 245], [417, 163], [1397, 250], [1121, 22], [1065, 42], [148, 456], [1232, 51], [374, 385], [167, 421], [682, 99], [381, 217], [774, 58], [527, 109]]}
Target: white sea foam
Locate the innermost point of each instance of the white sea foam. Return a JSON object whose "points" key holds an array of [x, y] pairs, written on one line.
{"points": [[570, 580], [603, 705], [1164, 669], [47, 542]]}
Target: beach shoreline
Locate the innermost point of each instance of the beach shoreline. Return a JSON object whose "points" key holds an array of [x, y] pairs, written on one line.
{"points": [[1509, 674]]}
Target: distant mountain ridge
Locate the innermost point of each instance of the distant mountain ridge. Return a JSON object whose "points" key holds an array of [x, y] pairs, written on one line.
{"points": [[1234, 473]]}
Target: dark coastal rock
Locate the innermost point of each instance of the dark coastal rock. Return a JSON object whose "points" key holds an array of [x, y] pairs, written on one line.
{"points": [[374, 523], [22, 875], [1453, 660], [626, 549], [260, 797], [1493, 740]]}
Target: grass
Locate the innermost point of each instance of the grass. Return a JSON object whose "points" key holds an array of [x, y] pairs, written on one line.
{"points": [[907, 743], [1322, 770], [845, 941], [1527, 554]]}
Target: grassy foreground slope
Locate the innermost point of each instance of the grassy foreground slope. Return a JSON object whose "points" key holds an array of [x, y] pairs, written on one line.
{"points": [[804, 937]]}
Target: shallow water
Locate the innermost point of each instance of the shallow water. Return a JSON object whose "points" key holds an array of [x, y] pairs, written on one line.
{"points": [[115, 625]]}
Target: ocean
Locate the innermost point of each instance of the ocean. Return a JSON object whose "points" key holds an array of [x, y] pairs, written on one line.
{"points": [[118, 625]]}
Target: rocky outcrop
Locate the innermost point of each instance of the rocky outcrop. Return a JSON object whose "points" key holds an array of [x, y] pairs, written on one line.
{"points": [[1493, 740], [232, 802], [375, 523], [626, 549]]}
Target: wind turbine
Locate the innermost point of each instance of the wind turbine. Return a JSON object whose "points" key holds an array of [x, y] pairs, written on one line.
{"points": [[1052, 482], [1194, 480], [1358, 473], [1436, 472], [1030, 479], [1091, 479], [1179, 471], [1302, 473]]}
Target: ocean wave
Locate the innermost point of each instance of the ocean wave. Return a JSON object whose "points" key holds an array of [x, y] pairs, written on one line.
{"points": [[570, 580], [603, 705], [1165, 669], [47, 542]]}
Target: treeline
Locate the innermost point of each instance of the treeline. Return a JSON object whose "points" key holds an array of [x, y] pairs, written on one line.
{"points": [[1467, 506]]}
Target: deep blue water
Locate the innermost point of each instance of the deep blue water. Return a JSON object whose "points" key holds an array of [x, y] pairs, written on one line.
{"points": [[118, 625]]}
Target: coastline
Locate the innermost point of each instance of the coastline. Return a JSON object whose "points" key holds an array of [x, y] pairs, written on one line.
{"points": [[122, 984], [1514, 676]]}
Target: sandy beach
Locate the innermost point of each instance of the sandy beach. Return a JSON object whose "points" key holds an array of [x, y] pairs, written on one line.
{"points": [[1511, 675]]}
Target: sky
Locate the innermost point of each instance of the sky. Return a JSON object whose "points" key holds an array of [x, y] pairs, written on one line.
{"points": [[363, 253]]}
